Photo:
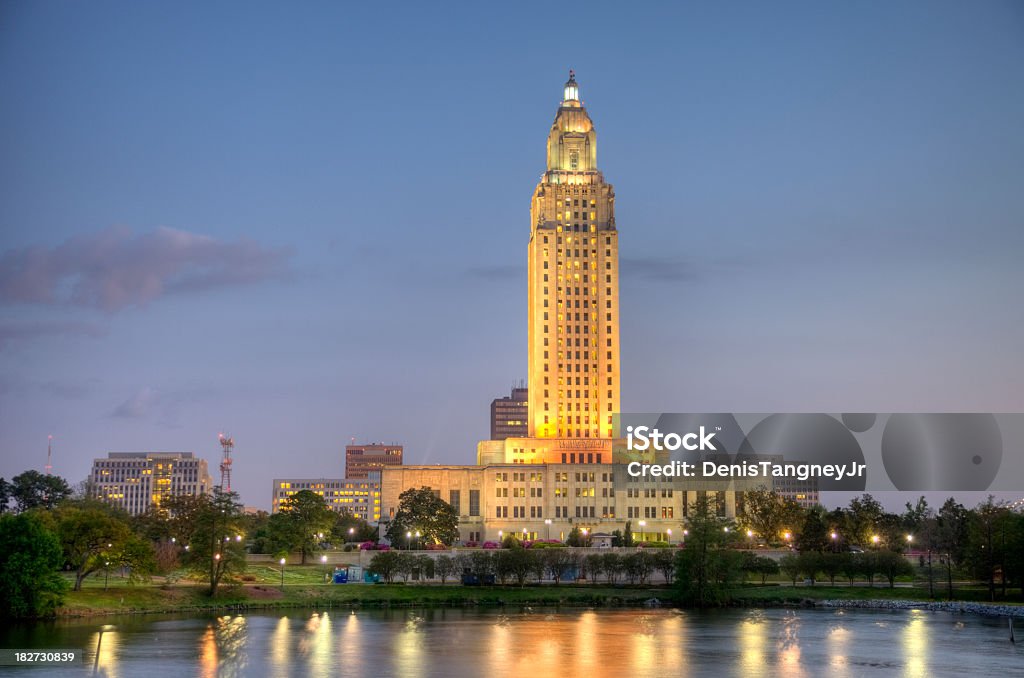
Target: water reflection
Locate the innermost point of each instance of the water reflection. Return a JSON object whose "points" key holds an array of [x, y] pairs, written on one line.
{"points": [[105, 646], [915, 645], [591, 643]]}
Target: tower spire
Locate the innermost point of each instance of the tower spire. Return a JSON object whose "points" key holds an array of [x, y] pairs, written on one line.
{"points": [[572, 90]]}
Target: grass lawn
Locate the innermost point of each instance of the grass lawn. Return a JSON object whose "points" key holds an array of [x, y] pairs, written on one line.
{"points": [[189, 598]]}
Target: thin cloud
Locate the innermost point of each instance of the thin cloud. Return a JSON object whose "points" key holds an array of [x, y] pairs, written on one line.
{"points": [[497, 273], [11, 332], [139, 405], [115, 268]]}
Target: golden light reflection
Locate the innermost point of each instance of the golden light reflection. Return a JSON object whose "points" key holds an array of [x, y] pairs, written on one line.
{"points": [[106, 646], [789, 647], [208, 658], [674, 627], [350, 648], [753, 639], [915, 645], [280, 641], [408, 648], [838, 649], [646, 646]]}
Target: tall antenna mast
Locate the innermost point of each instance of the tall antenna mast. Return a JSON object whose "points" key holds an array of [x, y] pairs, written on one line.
{"points": [[227, 444], [49, 454]]}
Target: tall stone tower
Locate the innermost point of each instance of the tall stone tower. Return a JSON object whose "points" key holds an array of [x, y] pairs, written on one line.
{"points": [[573, 285]]}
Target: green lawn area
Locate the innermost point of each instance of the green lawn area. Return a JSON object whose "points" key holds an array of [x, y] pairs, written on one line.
{"points": [[188, 598], [755, 595]]}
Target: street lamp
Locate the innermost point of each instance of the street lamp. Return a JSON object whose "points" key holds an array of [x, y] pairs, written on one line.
{"points": [[106, 574], [408, 541], [874, 539], [547, 529], [685, 534], [417, 538], [351, 532], [643, 524], [323, 560], [669, 530], [282, 573]]}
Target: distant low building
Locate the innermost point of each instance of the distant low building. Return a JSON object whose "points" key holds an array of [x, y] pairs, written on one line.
{"points": [[361, 460], [138, 481], [357, 496], [510, 415]]}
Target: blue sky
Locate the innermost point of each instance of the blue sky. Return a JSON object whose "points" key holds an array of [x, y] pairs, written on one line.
{"points": [[304, 224]]}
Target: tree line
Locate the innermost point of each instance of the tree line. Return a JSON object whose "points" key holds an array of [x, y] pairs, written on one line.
{"points": [[53, 538]]}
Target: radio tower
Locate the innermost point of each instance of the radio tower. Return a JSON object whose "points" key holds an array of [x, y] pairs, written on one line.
{"points": [[49, 454], [227, 444]]}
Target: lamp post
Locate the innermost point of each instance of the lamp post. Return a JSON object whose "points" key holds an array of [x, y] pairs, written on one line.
{"points": [[418, 539], [834, 543], [547, 529], [106, 574], [685, 533], [669, 531], [408, 541], [351, 533], [750, 539], [323, 560], [282, 573], [643, 524], [874, 540]]}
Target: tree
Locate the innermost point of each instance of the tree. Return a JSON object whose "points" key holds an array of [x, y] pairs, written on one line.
{"points": [[813, 535], [30, 556], [424, 512], [182, 513], [558, 562], [595, 565], [706, 568], [638, 566], [891, 565], [762, 566], [833, 565], [809, 563], [5, 495], [865, 515], [386, 565], [446, 567], [577, 538], [301, 524], [627, 535], [790, 566], [611, 565], [33, 489], [90, 534], [215, 548], [763, 512], [664, 561], [952, 529], [349, 527]]}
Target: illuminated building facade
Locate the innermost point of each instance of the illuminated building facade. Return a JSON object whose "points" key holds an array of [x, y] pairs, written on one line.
{"points": [[357, 496], [362, 460], [137, 481], [568, 469], [509, 415], [573, 272]]}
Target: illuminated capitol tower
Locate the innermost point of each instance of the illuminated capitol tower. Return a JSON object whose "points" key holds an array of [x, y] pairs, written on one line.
{"points": [[573, 303], [574, 285], [568, 471]]}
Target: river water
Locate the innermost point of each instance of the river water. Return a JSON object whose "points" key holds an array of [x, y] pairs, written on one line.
{"points": [[534, 643]]}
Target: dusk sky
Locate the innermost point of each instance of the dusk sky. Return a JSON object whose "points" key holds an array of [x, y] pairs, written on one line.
{"points": [[304, 223]]}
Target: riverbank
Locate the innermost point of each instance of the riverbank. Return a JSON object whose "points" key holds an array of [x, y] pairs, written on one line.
{"points": [[194, 599]]}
